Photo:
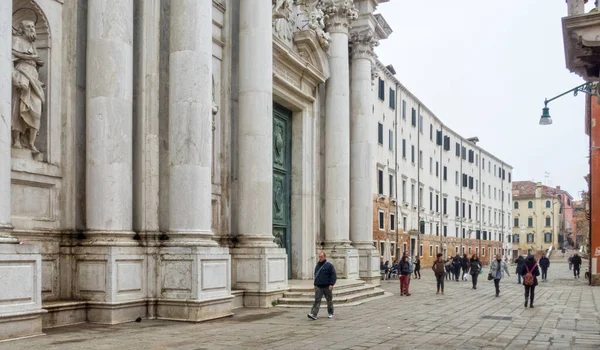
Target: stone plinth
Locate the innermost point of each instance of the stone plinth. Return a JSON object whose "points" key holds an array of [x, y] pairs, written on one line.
{"points": [[345, 259], [21, 292]]}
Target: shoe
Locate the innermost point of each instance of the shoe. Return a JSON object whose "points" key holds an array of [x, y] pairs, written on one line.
{"points": [[438, 292], [525, 303], [407, 294], [312, 317], [330, 316], [474, 287], [531, 306], [497, 295], [442, 292]]}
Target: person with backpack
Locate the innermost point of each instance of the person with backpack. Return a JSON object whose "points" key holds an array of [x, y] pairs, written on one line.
{"points": [[544, 264], [475, 269], [530, 272], [439, 269], [497, 269], [456, 264], [576, 260], [405, 272]]}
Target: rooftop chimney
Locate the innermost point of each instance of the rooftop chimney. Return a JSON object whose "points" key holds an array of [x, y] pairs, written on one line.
{"points": [[473, 140]]}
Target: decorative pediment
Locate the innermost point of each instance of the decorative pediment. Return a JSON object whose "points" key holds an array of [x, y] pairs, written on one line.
{"points": [[581, 35]]}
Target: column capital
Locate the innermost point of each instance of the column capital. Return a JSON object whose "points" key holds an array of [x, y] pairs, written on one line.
{"points": [[363, 43], [339, 14]]}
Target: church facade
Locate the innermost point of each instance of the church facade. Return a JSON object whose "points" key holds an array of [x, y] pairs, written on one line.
{"points": [[176, 159]]}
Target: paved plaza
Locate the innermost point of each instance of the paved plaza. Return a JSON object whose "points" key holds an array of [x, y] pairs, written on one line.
{"points": [[566, 316]]}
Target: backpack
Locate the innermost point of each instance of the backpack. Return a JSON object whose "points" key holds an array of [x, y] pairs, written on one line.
{"points": [[439, 268], [528, 279]]}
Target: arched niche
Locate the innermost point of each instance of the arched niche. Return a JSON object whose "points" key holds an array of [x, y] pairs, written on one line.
{"points": [[30, 10]]}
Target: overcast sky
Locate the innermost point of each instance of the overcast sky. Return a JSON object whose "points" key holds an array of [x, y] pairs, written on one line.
{"points": [[485, 70]]}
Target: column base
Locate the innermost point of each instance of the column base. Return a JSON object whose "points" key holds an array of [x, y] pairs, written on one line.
{"points": [[5, 236], [20, 296], [194, 310], [261, 273], [369, 265], [345, 259]]}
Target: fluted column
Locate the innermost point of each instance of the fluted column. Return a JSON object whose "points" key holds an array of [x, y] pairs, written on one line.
{"points": [[255, 125], [361, 171], [190, 121], [109, 87], [5, 123], [337, 125]]}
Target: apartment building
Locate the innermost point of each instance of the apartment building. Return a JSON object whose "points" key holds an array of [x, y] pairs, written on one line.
{"points": [[542, 218], [435, 190]]}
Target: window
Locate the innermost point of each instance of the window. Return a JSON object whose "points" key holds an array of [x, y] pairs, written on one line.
{"points": [[403, 109], [477, 251], [516, 238], [404, 191], [381, 89], [381, 247], [465, 180], [503, 174], [456, 250], [458, 149], [380, 180], [477, 159], [413, 118], [392, 222], [516, 205], [477, 185], [391, 179], [457, 210], [421, 159], [430, 132], [530, 238], [421, 197], [412, 153], [548, 204], [420, 250], [437, 203], [529, 222], [446, 142], [469, 211], [530, 205], [470, 182], [438, 137], [464, 152], [404, 148], [430, 251], [463, 210], [412, 194], [445, 174], [483, 188], [456, 177], [445, 231], [516, 222], [404, 220], [393, 247], [421, 124], [456, 233], [381, 220], [437, 250], [568, 202], [509, 238], [445, 206], [380, 133], [391, 141], [392, 99], [477, 212], [437, 169], [548, 221], [430, 165], [509, 178], [482, 163], [430, 200], [547, 237], [471, 156]]}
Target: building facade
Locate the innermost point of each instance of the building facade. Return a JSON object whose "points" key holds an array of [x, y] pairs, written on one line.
{"points": [[540, 219], [176, 159], [430, 179]]}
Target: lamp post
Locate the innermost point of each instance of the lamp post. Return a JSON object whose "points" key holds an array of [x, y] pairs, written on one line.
{"points": [[587, 88]]}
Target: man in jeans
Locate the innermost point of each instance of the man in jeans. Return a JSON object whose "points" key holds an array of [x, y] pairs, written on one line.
{"points": [[325, 279]]}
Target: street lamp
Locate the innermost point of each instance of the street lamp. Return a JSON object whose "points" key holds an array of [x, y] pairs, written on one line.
{"points": [[587, 88]]}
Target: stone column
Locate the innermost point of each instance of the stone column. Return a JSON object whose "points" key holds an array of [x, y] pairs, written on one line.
{"points": [[109, 93], [361, 170], [5, 124], [337, 141], [201, 288], [258, 264]]}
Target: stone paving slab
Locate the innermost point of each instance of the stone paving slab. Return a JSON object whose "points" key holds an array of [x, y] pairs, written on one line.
{"points": [[566, 316]]}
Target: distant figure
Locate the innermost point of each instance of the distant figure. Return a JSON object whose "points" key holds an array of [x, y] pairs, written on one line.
{"points": [[439, 269], [465, 264], [570, 260], [520, 263], [325, 279], [530, 272], [456, 265], [544, 264], [405, 272], [417, 267], [576, 261], [475, 269], [497, 269]]}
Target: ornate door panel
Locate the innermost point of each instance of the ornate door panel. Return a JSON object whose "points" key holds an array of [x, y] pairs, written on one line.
{"points": [[282, 175]]}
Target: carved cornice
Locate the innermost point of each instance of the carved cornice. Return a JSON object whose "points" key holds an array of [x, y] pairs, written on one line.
{"points": [[339, 14]]}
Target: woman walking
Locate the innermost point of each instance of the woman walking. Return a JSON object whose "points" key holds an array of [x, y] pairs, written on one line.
{"points": [[439, 269], [530, 272], [497, 270], [417, 267], [405, 273], [475, 269]]}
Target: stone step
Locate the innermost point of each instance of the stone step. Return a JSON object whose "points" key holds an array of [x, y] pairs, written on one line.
{"points": [[336, 292], [337, 300], [308, 288]]}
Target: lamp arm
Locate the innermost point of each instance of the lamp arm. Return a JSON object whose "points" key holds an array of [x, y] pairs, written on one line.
{"points": [[587, 88]]}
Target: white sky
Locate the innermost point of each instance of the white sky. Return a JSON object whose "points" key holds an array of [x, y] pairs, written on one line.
{"points": [[484, 68]]}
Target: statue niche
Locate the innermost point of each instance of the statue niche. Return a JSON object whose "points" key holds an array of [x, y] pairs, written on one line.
{"points": [[28, 94]]}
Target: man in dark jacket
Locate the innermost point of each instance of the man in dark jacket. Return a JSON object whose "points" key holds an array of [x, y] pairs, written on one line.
{"points": [[456, 265], [576, 260], [325, 279], [544, 264], [520, 263]]}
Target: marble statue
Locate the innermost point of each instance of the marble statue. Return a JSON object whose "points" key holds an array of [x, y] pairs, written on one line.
{"points": [[28, 91]]}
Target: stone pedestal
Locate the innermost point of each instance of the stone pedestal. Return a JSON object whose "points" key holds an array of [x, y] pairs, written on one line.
{"points": [[345, 259], [21, 292]]}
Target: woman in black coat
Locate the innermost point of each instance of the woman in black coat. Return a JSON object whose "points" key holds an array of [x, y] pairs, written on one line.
{"points": [[530, 266]]}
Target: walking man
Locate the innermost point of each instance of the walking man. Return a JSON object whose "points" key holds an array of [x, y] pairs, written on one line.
{"points": [[439, 269], [497, 270], [325, 279], [576, 260], [544, 264]]}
